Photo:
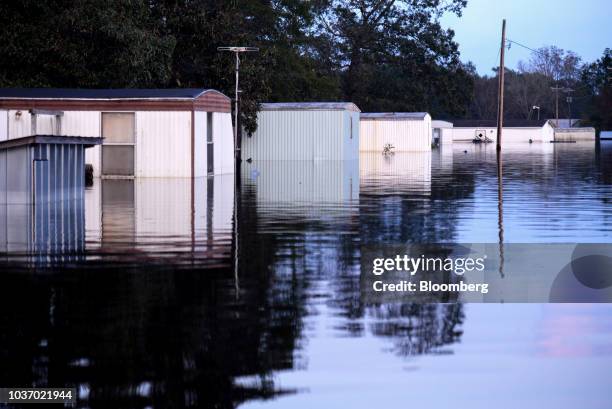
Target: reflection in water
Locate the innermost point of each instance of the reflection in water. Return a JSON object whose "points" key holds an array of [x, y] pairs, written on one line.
{"points": [[147, 314], [46, 232]]}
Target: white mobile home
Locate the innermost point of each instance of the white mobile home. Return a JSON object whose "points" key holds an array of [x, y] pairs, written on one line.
{"points": [[304, 131], [147, 132], [405, 131], [515, 131]]}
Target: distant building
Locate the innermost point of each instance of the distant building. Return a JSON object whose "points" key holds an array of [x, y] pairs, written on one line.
{"points": [[405, 131], [515, 131], [442, 132], [304, 131], [147, 132], [564, 122]]}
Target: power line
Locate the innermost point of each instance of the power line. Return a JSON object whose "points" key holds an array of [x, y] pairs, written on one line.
{"points": [[524, 46]]}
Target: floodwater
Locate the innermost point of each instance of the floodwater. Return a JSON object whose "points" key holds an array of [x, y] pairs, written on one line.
{"points": [[149, 295]]}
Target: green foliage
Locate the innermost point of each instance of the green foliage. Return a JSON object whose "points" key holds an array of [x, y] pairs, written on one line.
{"points": [[87, 43], [597, 79], [383, 55], [531, 84]]}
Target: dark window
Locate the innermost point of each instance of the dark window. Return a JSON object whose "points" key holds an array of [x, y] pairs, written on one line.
{"points": [[118, 131], [118, 160]]}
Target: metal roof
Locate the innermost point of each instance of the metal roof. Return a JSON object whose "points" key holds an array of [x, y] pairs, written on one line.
{"points": [[394, 115], [309, 106], [492, 123], [117, 93], [441, 124], [50, 139]]}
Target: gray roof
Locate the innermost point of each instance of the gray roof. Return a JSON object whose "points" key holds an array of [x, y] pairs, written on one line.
{"points": [[117, 93], [50, 139], [394, 115], [492, 123], [309, 106], [441, 124]]}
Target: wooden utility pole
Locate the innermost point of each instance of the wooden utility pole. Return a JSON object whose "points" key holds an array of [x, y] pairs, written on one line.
{"points": [[500, 125], [556, 89], [500, 93]]}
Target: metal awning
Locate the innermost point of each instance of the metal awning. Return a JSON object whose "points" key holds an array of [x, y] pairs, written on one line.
{"points": [[87, 141]]}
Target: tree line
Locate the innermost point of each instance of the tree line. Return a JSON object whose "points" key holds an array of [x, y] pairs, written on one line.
{"points": [[530, 89], [384, 55]]}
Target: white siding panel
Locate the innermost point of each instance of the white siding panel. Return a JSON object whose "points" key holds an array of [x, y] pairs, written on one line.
{"points": [[19, 125], [297, 135], [351, 135], [3, 125], [509, 135], [200, 144], [404, 135], [163, 144], [84, 123], [223, 140], [73, 123]]}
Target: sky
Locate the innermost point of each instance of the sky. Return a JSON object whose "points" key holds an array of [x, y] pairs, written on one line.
{"points": [[583, 26]]}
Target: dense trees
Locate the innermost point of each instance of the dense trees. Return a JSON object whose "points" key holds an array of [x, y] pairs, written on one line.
{"points": [[530, 85], [597, 80], [381, 54], [384, 55]]}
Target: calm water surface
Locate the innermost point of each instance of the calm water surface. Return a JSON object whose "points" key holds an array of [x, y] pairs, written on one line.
{"points": [[149, 294]]}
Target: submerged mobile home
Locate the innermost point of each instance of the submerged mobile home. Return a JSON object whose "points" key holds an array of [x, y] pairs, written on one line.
{"points": [[404, 131], [515, 131], [147, 132], [304, 131]]}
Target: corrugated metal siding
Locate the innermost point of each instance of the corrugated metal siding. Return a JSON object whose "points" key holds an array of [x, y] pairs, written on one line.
{"points": [[404, 135], [351, 137], [50, 177], [163, 144], [297, 135], [18, 175]]}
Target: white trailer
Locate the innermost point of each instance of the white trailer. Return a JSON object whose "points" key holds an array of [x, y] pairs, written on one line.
{"points": [[404, 131], [304, 131], [147, 132]]}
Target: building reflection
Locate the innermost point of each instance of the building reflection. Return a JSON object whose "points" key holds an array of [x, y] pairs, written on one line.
{"points": [[162, 220], [45, 232]]}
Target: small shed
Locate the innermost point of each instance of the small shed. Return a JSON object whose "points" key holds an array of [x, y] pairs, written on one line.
{"points": [[304, 131], [405, 131], [183, 132], [43, 168], [515, 130], [442, 132]]}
